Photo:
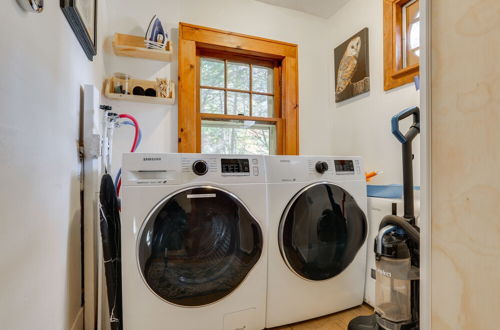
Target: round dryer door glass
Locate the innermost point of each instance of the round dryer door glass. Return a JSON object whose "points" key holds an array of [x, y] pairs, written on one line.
{"points": [[321, 231], [197, 246]]}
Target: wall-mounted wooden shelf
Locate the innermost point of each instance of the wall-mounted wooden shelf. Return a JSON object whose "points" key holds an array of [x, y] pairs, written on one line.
{"points": [[133, 46], [132, 83]]}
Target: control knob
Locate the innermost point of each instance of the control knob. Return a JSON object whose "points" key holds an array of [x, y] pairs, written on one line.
{"points": [[200, 167], [321, 167]]}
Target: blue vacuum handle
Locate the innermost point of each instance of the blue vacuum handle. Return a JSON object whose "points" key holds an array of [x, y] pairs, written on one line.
{"points": [[414, 129], [407, 154]]}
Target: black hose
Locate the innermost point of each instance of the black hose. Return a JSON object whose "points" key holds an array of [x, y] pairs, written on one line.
{"points": [[412, 232]]}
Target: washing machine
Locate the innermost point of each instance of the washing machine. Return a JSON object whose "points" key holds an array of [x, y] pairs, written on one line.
{"points": [[194, 253], [317, 236]]}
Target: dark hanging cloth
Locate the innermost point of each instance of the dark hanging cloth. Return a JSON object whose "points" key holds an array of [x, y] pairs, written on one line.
{"points": [[111, 247]]}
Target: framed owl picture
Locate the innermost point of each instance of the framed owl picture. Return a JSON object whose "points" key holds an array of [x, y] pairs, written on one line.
{"points": [[352, 67]]}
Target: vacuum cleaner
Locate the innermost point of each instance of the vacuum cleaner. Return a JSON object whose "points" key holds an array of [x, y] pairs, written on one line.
{"points": [[397, 252]]}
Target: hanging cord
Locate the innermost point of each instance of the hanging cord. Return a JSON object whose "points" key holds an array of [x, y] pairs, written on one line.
{"points": [[137, 140]]}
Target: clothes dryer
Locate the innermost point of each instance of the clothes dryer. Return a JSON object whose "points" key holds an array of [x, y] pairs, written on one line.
{"points": [[317, 236]]}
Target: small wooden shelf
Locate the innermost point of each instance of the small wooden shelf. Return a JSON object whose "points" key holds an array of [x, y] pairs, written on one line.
{"points": [[108, 92], [133, 46]]}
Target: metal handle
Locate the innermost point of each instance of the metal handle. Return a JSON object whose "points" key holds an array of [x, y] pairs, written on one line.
{"points": [[196, 196], [414, 129], [383, 231]]}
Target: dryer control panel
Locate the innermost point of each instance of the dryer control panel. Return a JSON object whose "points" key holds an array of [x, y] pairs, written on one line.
{"points": [[313, 168]]}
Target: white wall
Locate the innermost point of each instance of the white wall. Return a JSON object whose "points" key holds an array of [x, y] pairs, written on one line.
{"points": [[42, 69], [361, 126], [159, 122]]}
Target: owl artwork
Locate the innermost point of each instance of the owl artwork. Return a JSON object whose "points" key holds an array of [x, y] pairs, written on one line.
{"points": [[351, 62], [348, 64]]}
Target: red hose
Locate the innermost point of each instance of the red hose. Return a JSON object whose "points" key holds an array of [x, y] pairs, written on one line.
{"points": [[136, 126], [134, 145], [118, 187]]}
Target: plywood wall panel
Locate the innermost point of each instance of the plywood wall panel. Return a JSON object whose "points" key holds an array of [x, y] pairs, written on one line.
{"points": [[465, 164]]}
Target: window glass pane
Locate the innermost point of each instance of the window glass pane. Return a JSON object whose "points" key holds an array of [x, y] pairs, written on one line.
{"points": [[411, 32], [413, 45], [414, 35], [262, 79], [211, 101], [212, 72], [262, 105], [238, 104], [245, 137], [238, 76]]}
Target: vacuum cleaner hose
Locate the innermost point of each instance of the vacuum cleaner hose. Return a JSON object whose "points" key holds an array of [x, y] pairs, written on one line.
{"points": [[393, 220]]}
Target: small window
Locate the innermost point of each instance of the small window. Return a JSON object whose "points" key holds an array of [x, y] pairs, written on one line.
{"points": [[238, 94], [230, 88], [411, 34], [401, 42]]}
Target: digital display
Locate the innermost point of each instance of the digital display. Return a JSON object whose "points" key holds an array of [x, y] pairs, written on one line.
{"points": [[230, 166], [344, 166]]}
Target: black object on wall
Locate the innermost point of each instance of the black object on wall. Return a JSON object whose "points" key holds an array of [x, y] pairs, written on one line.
{"points": [[82, 17], [111, 247]]}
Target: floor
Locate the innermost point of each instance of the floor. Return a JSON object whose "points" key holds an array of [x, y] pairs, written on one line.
{"points": [[337, 321]]}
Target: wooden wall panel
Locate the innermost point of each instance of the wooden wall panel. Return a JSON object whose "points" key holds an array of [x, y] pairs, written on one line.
{"points": [[233, 40], [188, 101], [465, 164], [291, 105]]}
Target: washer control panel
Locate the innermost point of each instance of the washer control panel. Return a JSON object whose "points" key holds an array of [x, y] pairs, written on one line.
{"points": [[235, 167], [148, 169]]}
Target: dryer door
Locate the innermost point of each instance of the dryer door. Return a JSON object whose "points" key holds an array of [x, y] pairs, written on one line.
{"points": [[321, 231], [197, 245]]}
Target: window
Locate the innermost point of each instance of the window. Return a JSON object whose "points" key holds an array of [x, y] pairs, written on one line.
{"points": [[237, 94], [401, 42], [242, 88], [411, 33]]}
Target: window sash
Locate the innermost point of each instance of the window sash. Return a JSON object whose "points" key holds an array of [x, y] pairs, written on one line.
{"points": [[251, 92], [405, 24]]}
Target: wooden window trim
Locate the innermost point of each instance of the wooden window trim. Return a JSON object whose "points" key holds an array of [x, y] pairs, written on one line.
{"points": [[196, 40], [394, 74]]}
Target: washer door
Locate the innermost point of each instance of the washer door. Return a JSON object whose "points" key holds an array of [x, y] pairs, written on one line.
{"points": [[321, 231], [197, 245]]}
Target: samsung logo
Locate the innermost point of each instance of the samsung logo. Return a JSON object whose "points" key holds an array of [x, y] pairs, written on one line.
{"points": [[151, 159], [285, 161]]}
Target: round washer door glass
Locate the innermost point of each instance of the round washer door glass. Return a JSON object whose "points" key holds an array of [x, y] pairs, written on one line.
{"points": [[321, 231], [197, 246]]}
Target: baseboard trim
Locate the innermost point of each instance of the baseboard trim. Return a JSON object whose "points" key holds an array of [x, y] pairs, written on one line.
{"points": [[78, 323]]}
